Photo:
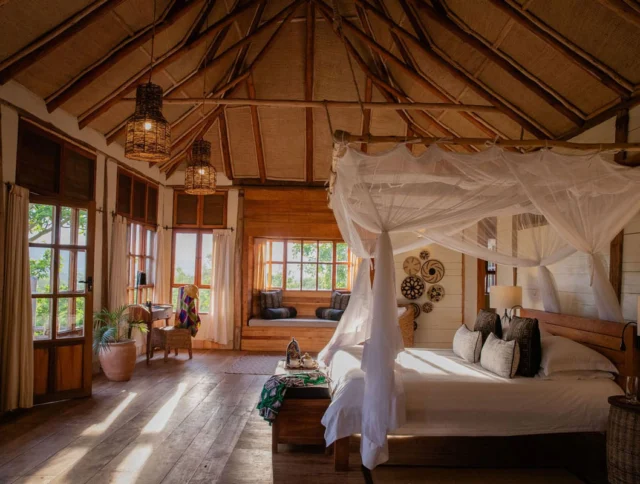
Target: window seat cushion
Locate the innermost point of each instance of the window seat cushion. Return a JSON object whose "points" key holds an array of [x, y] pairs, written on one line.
{"points": [[294, 322]]}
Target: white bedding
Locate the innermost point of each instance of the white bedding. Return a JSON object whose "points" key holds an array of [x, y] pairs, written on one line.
{"points": [[447, 396]]}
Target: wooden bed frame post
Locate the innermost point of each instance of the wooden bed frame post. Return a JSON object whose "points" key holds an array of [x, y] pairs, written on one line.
{"points": [[341, 454]]}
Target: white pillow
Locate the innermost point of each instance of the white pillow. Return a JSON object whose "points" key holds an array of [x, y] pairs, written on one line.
{"points": [[577, 375], [560, 354], [500, 357], [467, 344]]}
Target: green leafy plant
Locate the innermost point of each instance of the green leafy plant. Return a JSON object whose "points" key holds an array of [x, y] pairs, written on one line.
{"points": [[113, 327]]}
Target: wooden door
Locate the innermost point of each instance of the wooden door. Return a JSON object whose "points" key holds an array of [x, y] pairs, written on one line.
{"points": [[61, 264]]}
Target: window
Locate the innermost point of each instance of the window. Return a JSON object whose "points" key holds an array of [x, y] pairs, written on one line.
{"points": [[192, 264], [200, 211], [307, 265], [140, 256], [136, 198]]}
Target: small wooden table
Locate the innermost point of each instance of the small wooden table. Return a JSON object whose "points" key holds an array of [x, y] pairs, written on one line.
{"points": [[298, 421], [623, 441], [157, 313]]}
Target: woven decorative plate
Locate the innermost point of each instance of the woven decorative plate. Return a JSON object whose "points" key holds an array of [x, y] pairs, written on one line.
{"points": [[427, 307], [432, 271], [412, 265], [415, 325], [412, 287], [416, 309], [436, 293], [424, 254]]}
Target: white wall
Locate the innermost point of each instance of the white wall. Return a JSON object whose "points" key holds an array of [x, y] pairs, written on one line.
{"points": [[436, 329]]}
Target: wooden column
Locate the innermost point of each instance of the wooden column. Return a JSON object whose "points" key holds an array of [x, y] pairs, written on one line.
{"points": [[617, 244], [105, 237], [308, 87], [237, 282]]}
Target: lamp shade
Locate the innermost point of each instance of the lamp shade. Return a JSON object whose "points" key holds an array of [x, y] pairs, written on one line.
{"points": [[505, 296], [200, 176], [148, 133]]}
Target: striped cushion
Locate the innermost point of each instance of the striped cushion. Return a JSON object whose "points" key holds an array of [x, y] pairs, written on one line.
{"points": [[271, 299], [488, 322]]}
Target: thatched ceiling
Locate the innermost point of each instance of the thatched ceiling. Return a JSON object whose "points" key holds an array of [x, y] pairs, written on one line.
{"points": [[552, 67]]}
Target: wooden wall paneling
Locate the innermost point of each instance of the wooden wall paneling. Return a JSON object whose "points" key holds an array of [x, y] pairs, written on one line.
{"points": [[617, 244], [306, 302], [68, 367], [238, 271], [40, 370]]}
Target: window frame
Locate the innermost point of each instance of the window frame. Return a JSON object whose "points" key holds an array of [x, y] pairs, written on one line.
{"points": [[199, 211], [269, 263], [197, 277], [129, 215], [131, 276]]}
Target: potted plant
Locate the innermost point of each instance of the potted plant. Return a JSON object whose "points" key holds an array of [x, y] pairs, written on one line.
{"points": [[113, 344]]}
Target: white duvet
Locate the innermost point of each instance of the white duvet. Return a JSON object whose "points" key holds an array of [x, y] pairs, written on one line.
{"points": [[447, 396]]}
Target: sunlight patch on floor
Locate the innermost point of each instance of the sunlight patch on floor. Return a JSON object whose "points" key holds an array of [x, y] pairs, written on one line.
{"points": [[100, 428], [159, 420]]}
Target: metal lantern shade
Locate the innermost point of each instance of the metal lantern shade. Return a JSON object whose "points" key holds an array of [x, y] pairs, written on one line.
{"points": [[148, 133], [200, 176]]}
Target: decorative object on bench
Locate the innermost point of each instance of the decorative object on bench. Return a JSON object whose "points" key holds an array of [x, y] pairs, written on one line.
{"points": [[271, 306], [411, 265], [432, 271], [339, 303], [412, 287], [293, 351], [308, 362], [623, 435], [427, 307], [435, 293], [186, 325], [424, 254], [488, 322]]}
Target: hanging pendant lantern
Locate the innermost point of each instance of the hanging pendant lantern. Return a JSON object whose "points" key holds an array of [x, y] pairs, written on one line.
{"points": [[200, 176], [148, 133]]}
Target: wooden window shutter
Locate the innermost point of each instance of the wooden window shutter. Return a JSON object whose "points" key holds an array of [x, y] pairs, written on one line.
{"points": [[152, 204], [77, 175], [38, 161], [213, 212], [139, 199], [186, 209], [123, 198]]}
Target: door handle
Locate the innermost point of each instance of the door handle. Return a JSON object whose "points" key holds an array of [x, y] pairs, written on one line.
{"points": [[89, 284]]}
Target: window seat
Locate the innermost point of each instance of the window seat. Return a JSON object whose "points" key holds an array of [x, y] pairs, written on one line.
{"points": [[294, 322]]}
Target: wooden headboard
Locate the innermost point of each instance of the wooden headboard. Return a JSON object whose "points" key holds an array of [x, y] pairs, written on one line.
{"points": [[602, 336]]}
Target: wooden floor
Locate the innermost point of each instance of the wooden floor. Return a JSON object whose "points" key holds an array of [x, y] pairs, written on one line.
{"points": [[187, 421]]}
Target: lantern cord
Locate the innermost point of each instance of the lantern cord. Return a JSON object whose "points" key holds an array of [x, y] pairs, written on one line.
{"points": [[153, 39], [204, 77]]}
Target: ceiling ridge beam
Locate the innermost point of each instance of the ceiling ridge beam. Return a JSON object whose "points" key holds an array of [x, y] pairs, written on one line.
{"points": [[171, 15], [44, 44], [443, 15], [169, 57], [511, 111], [587, 62]]}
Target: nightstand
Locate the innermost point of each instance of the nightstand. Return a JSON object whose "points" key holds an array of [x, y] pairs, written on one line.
{"points": [[623, 441]]}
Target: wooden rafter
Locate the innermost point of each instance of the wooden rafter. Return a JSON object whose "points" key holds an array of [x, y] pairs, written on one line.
{"points": [[172, 14], [626, 11], [257, 132], [309, 63], [571, 51], [48, 41], [441, 14], [224, 146], [366, 117], [166, 59]]}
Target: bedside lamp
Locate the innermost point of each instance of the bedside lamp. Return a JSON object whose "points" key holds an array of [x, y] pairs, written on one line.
{"points": [[507, 297]]}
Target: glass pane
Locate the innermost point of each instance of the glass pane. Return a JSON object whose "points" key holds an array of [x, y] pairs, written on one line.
{"points": [[139, 247], [205, 300], [174, 298], [41, 314], [206, 260], [70, 319], [149, 271], [294, 251], [310, 252], [342, 276], [324, 277], [83, 221], [81, 270], [66, 263], [293, 276], [185, 259], [342, 252], [276, 275], [309, 277], [41, 221], [66, 219], [40, 264], [326, 251], [150, 244], [277, 251]]}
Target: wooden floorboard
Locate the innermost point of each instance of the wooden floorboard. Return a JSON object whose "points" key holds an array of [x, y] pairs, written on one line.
{"points": [[188, 421]]}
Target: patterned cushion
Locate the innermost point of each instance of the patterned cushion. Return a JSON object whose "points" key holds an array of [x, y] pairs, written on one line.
{"points": [[343, 301], [335, 299], [278, 313], [488, 322], [467, 344], [500, 357], [271, 299], [527, 333], [329, 313]]}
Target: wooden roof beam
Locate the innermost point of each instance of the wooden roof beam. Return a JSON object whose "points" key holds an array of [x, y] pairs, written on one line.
{"points": [[224, 146], [309, 62], [626, 11], [521, 118], [441, 14], [171, 15], [366, 117], [38, 48], [571, 51]]}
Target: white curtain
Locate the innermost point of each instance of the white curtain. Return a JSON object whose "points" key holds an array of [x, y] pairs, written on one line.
{"points": [[161, 290], [118, 268], [221, 308], [16, 333], [396, 201]]}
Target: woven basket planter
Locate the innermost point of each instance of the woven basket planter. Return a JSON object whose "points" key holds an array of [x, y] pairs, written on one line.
{"points": [[623, 442]]}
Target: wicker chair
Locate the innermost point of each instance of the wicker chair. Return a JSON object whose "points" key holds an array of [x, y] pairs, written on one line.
{"points": [[178, 337]]}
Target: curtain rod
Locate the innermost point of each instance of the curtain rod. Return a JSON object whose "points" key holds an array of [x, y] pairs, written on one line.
{"points": [[340, 136]]}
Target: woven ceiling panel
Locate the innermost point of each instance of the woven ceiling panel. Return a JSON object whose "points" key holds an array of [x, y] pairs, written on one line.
{"points": [[213, 136], [346, 119], [242, 144], [485, 19], [283, 140]]}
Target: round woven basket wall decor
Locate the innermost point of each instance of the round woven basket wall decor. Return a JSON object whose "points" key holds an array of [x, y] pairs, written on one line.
{"points": [[412, 287], [416, 309], [427, 307], [432, 271], [424, 254], [411, 266], [436, 293]]}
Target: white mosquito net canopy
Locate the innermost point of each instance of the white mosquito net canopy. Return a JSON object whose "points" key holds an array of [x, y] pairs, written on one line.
{"points": [[390, 202]]}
